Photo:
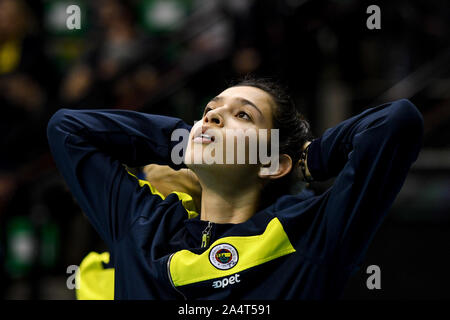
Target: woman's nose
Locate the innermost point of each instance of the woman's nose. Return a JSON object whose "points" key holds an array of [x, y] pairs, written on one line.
{"points": [[213, 117]]}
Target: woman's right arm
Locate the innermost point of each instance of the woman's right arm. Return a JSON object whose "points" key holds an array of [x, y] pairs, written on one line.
{"points": [[90, 148]]}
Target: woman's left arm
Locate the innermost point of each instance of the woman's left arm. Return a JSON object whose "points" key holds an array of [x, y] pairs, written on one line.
{"points": [[370, 154]]}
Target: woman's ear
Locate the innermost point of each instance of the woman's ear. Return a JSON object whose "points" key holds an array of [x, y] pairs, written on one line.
{"points": [[284, 167]]}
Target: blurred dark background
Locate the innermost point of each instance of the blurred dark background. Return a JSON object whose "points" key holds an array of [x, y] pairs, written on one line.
{"points": [[169, 57]]}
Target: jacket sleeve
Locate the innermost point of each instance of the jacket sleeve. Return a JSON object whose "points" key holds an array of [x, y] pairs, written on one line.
{"points": [[90, 148], [371, 154]]}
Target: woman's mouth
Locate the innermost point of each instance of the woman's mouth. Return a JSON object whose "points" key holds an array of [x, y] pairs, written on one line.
{"points": [[203, 138]]}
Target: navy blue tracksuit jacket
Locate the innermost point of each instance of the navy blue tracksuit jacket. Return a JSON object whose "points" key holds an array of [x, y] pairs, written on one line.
{"points": [[302, 246]]}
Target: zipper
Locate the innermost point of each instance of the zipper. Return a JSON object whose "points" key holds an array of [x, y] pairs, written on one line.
{"points": [[170, 277], [206, 235]]}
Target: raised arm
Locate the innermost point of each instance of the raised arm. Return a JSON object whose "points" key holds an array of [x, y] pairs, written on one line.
{"points": [[90, 148], [370, 155]]}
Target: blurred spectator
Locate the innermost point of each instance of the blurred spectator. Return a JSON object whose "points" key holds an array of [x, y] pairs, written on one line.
{"points": [[117, 47], [25, 80]]}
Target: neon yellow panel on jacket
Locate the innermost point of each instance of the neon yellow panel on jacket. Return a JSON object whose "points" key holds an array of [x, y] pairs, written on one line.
{"points": [[94, 281]]}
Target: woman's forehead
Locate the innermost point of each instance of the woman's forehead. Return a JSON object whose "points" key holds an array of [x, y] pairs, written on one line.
{"points": [[253, 94]]}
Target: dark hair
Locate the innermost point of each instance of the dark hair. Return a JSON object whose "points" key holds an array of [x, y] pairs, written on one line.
{"points": [[294, 131]]}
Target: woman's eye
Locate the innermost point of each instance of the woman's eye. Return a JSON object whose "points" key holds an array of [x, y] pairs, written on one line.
{"points": [[244, 115]]}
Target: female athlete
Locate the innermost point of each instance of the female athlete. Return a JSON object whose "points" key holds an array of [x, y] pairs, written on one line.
{"points": [[251, 238]]}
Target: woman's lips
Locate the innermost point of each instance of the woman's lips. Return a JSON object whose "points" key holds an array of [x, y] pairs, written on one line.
{"points": [[203, 138], [200, 135]]}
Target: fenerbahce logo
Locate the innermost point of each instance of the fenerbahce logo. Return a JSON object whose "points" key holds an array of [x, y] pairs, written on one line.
{"points": [[223, 256]]}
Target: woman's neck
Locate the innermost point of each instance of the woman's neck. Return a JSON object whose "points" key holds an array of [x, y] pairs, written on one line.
{"points": [[229, 206]]}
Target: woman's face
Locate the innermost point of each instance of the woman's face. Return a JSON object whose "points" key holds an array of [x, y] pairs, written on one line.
{"points": [[240, 111]]}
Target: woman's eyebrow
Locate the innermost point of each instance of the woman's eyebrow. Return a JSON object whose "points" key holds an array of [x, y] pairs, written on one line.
{"points": [[241, 100]]}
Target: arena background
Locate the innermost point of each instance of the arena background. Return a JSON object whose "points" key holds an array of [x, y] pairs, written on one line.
{"points": [[169, 57]]}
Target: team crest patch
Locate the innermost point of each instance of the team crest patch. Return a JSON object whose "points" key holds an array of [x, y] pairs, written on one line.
{"points": [[223, 256]]}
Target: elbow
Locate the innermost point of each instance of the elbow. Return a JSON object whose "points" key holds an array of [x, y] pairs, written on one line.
{"points": [[56, 124], [407, 120]]}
